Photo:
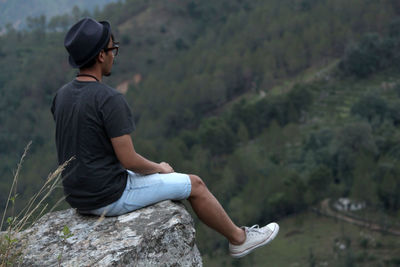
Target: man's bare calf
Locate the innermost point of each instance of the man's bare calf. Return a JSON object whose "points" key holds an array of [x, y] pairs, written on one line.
{"points": [[210, 211]]}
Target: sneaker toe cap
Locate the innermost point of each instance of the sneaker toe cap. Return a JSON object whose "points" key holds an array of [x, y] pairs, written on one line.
{"points": [[274, 227]]}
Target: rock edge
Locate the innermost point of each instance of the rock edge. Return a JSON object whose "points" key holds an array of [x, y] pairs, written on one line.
{"points": [[159, 235]]}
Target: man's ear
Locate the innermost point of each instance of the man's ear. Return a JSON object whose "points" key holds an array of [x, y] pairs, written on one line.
{"points": [[101, 56]]}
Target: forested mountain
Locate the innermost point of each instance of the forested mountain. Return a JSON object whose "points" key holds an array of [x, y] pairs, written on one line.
{"points": [[276, 104], [16, 12]]}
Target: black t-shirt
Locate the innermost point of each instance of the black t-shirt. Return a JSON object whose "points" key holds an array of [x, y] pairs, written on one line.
{"points": [[87, 115]]}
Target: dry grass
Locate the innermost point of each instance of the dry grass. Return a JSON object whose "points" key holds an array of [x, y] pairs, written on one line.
{"points": [[10, 250]]}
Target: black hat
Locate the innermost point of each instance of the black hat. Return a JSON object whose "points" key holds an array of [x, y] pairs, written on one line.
{"points": [[85, 40]]}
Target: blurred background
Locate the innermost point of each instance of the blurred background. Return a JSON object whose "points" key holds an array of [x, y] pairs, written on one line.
{"points": [[288, 109]]}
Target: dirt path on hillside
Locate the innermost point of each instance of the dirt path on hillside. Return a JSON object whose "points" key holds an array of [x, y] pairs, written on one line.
{"points": [[326, 210]]}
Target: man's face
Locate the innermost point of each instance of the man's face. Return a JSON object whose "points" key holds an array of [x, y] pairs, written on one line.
{"points": [[109, 59]]}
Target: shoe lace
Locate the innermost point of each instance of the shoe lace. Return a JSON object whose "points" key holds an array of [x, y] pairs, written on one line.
{"points": [[253, 229]]}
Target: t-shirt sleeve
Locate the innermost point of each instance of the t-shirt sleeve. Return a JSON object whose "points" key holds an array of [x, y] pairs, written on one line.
{"points": [[117, 116], [53, 107]]}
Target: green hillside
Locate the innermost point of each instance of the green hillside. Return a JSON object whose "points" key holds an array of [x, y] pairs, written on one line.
{"points": [[311, 240], [276, 104], [15, 12]]}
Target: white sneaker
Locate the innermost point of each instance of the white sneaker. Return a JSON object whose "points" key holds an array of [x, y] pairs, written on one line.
{"points": [[255, 237]]}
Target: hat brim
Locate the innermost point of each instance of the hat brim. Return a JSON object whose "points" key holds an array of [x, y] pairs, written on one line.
{"points": [[100, 45]]}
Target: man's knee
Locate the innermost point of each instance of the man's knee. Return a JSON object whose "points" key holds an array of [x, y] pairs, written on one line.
{"points": [[198, 186]]}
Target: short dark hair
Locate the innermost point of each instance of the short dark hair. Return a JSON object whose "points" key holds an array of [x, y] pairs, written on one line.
{"points": [[93, 60]]}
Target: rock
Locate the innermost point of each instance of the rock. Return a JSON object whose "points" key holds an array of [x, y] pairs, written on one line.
{"points": [[159, 235]]}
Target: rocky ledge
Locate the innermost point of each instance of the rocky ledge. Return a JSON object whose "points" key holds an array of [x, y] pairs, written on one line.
{"points": [[159, 235]]}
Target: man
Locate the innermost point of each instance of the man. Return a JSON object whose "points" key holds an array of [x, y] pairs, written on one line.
{"points": [[107, 176]]}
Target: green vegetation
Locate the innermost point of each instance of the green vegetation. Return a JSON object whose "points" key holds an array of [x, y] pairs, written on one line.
{"points": [[14, 12], [10, 245], [276, 104], [311, 240], [66, 233]]}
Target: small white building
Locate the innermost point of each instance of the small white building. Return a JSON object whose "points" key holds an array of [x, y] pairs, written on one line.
{"points": [[347, 204]]}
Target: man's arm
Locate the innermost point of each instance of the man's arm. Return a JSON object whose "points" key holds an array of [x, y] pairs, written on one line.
{"points": [[126, 154]]}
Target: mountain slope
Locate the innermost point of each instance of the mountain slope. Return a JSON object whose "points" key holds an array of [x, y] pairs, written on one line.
{"points": [[250, 95], [15, 12]]}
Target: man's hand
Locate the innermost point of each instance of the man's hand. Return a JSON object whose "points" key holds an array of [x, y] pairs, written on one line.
{"points": [[126, 154], [166, 168]]}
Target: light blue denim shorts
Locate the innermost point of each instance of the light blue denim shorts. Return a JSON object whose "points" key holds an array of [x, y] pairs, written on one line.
{"points": [[144, 190]]}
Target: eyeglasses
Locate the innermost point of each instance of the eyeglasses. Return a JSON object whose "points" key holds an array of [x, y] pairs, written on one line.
{"points": [[113, 49]]}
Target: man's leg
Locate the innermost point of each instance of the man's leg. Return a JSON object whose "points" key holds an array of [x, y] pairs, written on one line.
{"points": [[142, 191], [241, 241], [210, 211]]}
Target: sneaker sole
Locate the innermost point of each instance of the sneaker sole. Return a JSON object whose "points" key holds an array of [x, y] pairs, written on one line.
{"points": [[263, 243]]}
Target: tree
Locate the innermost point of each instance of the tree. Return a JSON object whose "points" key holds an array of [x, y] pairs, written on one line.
{"points": [[394, 28], [364, 58], [60, 23], [38, 26], [318, 183], [371, 107], [364, 187], [352, 140], [389, 185], [216, 136], [357, 137]]}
